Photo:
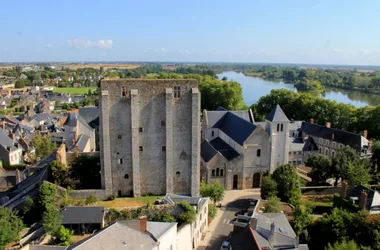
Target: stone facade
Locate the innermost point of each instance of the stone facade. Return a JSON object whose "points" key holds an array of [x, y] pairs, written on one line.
{"points": [[150, 136]]}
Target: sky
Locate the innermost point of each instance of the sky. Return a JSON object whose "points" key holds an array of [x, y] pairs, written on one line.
{"points": [[343, 32]]}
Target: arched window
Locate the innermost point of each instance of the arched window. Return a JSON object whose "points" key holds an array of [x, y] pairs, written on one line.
{"points": [[221, 172], [177, 173], [213, 172], [258, 153], [282, 127], [278, 127], [217, 171], [326, 151], [126, 176]]}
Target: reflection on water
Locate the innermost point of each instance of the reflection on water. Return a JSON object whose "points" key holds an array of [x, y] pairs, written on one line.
{"points": [[254, 88]]}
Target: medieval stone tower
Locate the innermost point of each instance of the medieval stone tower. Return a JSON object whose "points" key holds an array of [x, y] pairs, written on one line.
{"points": [[277, 123], [150, 136]]}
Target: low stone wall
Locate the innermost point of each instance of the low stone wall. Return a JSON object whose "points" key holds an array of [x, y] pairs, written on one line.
{"points": [[100, 194], [320, 190]]}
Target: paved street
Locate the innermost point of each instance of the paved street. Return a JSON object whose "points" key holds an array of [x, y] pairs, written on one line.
{"points": [[221, 226]]}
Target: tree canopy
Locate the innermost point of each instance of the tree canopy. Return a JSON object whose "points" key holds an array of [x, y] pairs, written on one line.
{"points": [[213, 190], [288, 183], [43, 145], [11, 225]]}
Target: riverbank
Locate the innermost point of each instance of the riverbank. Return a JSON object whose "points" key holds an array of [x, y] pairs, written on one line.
{"points": [[261, 75]]}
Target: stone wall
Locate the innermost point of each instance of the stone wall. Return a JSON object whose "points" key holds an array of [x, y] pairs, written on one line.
{"points": [[150, 139]]}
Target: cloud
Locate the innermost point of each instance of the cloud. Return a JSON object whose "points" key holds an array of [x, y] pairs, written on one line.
{"points": [[164, 50], [85, 43], [48, 46]]}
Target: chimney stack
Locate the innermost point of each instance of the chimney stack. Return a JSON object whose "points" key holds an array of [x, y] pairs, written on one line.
{"points": [[365, 134], [12, 136], [143, 224], [312, 120], [343, 190], [272, 228], [254, 223], [363, 200], [328, 124]]}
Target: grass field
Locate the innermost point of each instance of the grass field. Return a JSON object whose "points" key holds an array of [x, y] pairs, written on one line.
{"points": [[105, 66], [128, 202], [77, 91]]}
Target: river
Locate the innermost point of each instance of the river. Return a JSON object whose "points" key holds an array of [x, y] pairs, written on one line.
{"points": [[255, 87]]}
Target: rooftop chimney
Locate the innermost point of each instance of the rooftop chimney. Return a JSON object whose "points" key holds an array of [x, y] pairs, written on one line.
{"points": [[363, 200], [12, 136], [312, 120], [254, 223], [272, 228], [365, 134], [328, 124], [143, 224]]}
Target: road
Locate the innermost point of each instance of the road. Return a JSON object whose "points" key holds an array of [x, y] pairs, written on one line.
{"points": [[219, 229]]}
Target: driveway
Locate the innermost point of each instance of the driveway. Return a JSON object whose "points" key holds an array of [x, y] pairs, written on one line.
{"points": [[233, 202]]}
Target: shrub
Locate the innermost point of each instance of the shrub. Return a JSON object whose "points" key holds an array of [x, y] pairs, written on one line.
{"points": [[268, 187], [162, 216], [272, 205], [111, 197], [188, 215], [211, 212], [91, 199], [63, 236]]}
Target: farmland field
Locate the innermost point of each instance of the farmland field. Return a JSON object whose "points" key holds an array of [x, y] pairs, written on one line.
{"points": [[77, 91]]}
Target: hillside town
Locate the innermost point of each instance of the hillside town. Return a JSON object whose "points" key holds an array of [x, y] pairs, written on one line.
{"points": [[140, 159]]}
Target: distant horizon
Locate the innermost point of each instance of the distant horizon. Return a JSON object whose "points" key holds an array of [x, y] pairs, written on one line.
{"points": [[376, 67]]}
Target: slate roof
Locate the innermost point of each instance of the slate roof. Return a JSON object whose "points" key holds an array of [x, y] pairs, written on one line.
{"points": [[346, 138], [226, 150], [125, 235], [71, 120], [89, 114], [245, 114], [46, 247], [277, 115], [207, 151], [82, 142], [11, 119], [235, 127], [43, 117], [244, 239], [85, 215], [310, 145], [6, 141]]}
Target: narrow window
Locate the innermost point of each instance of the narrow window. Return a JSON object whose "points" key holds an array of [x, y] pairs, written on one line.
{"points": [[123, 91], [278, 127], [141, 129], [327, 142], [177, 92], [163, 148], [282, 127], [120, 161], [320, 150], [212, 133], [177, 173], [141, 148], [333, 154], [126, 176], [221, 172], [217, 171], [119, 137], [213, 172], [163, 123], [258, 153], [326, 151]]}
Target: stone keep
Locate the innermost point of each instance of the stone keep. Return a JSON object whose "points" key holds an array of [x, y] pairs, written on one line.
{"points": [[150, 136]]}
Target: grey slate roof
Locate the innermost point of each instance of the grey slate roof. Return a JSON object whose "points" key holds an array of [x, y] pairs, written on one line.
{"points": [[82, 142], [226, 150], [79, 215], [46, 247], [235, 127], [207, 151], [346, 138], [245, 114], [277, 115], [89, 114], [125, 235], [6, 141], [71, 120]]}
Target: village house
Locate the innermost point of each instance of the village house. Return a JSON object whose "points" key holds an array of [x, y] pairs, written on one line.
{"points": [[10, 149]]}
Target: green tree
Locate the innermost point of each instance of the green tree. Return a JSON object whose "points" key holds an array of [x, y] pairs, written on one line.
{"points": [[59, 172], [76, 105], [358, 174], [344, 157], [43, 145], [28, 205], [11, 225], [63, 236], [268, 187], [52, 219], [20, 83], [376, 155], [162, 216], [343, 245], [211, 212], [224, 78], [213, 190], [188, 215], [272, 205], [288, 183], [46, 195], [65, 106], [301, 220], [321, 167]]}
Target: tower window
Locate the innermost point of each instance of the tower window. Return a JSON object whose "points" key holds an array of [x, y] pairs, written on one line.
{"points": [[123, 91], [217, 171], [126, 176], [258, 153], [282, 127], [163, 123], [213, 172], [141, 129], [119, 137], [177, 173], [278, 127], [221, 172], [120, 161], [141, 148], [163, 148], [212, 133], [177, 92]]}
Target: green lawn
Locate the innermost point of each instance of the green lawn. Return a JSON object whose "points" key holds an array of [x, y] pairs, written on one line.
{"points": [[78, 91], [128, 202]]}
